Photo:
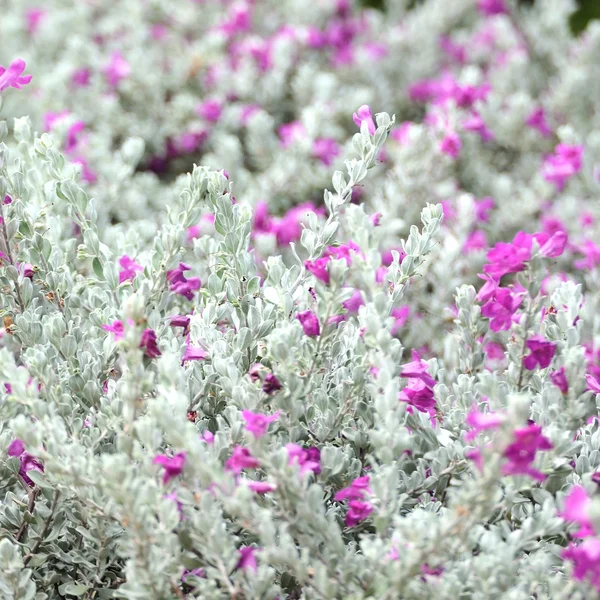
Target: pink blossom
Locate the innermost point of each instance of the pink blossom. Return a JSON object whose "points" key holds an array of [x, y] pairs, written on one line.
{"points": [[419, 395], [509, 258], [81, 77], [483, 208], [521, 452], [116, 70], [193, 353], [537, 120], [400, 314], [592, 384], [291, 132], [586, 559], [27, 462], [318, 268], [271, 384], [541, 353], [307, 459], [354, 302], [357, 495], [247, 561], [577, 505], [476, 241], [363, 114], [241, 459], [257, 423], [559, 167], [492, 7], [476, 124], [116, 328], [210, 110], [326, 150], [481, 422], [310, 323], [173, 465], [148, 343], [34, 18], [11, 77], [451, 144], [500, 308], [261, 487], [129, 268], [180, 285], [559, 379], [417, 369]]}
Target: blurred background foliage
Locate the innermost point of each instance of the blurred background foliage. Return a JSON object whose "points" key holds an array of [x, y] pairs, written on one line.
{"points": [[588, 10]]}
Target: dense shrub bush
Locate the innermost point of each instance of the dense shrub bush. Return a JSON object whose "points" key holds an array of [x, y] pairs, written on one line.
{"points": [[220, 381]]}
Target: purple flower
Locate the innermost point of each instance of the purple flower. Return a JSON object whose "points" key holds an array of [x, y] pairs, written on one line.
{"points": [[210, 110], [116, 70], [500, 308], [173, 465], [586, 559], [261, 487], [354, 302], [559, 379], [173, 496], [537, 120], [241, 459], [364, 114], [12, 77], [28, 462], [481, 422], [490, 8], [326, 150], [309, 322], [180, 285], [451, 144], [257, 424], [359, 508], [318, 268], [541, 354], [116, 328], [308, 460], [129, 268], [180, 321], [419, 395], [417, 369], [271, 384], [193, 353], [559, 167], [148, 343], [521, 452], [577, 505], [247, 561]]}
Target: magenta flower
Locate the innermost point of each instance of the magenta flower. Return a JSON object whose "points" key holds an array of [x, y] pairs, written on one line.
{"points": [[28, 462], [309, 322], [417, 369], [326, 150], [586, 559], [180, 321], [193, 353], [521, 452], [476, 124], [307, 459], [34, 18], [116, 328], [419, 395], [261, 487], [210, 110], [541, 354], [271, 384], [592, 384], [359, 507], [173, 497], [537, 120], [481, 422], [129, 268], [12, 77], [363, 114], [318, 268], [81, 77], [173, 465], [400, 314], [257, 424], [116, 70], [241, 459], [509, 258], [247, 561], [554, 246], [354, 302], [501, 308], [148, 343], [559, 167], [577, 505], [451, 144], [291, 132], [490, 8], [180, 285], [559, 379]]}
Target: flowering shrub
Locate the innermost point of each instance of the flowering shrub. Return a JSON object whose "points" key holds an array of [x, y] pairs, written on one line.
{"points": [[219, 381]]}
